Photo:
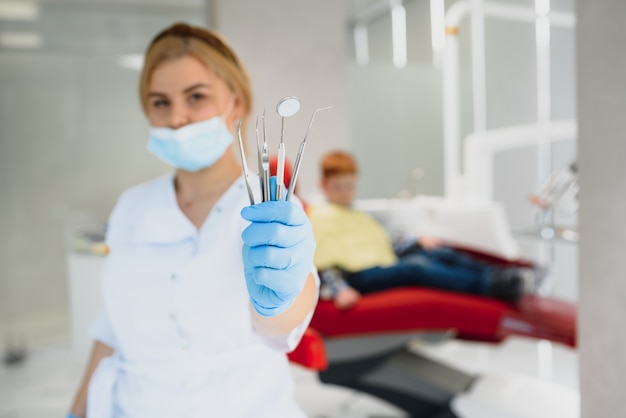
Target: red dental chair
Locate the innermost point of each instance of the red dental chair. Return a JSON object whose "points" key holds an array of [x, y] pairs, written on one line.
{"points": [[366, 348]]}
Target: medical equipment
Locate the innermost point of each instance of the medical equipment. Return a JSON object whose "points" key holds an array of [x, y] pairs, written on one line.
{"points": [[286, 107], [374, 348], [296, 169], [192, 147], [264, 168], [258, 149], [245, 165], [559, 190], [556, 200]]}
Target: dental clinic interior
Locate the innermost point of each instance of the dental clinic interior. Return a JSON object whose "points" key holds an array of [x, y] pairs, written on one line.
{"points": [[496, 126]]}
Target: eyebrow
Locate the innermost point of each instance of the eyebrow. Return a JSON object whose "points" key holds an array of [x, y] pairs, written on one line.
{"points": [[187, 90], [195, 86]]}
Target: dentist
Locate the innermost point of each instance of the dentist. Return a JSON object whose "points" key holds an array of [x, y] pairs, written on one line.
{"points": [[203, 293]]}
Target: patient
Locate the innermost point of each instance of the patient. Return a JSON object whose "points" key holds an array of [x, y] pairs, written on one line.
{"points": [[355, 255]]}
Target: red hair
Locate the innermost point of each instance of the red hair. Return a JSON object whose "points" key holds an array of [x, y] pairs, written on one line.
{"points": [[336, 163]]}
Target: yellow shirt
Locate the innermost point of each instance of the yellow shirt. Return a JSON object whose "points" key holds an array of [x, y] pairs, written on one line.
{"points": [[349, 239]]}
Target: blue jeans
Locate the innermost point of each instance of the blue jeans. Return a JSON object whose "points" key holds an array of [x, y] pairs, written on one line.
{"points": [[441, 268]]}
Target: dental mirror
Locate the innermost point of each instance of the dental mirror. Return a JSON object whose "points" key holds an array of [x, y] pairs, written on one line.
{"points": [[288, 106]]}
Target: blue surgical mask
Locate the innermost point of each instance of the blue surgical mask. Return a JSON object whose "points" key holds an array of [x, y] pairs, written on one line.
{"points": [[193, 147]]}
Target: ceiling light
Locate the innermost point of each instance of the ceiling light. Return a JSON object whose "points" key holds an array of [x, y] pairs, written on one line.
{"points": [[361, 45], [398, 32], [19, 10], [131, 61], [20, 39]]}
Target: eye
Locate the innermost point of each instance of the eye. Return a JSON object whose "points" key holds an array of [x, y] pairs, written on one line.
{"points": [[158, 103], [195, 97]]}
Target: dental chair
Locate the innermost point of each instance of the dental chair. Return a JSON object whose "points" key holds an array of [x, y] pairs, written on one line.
{"points": [[368, 348], [371, 348]]}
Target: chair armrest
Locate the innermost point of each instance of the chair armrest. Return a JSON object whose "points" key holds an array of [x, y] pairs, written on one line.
{"points": [[310, 352]]}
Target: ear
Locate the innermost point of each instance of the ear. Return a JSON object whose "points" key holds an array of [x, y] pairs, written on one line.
{"points": [[238, 108]]}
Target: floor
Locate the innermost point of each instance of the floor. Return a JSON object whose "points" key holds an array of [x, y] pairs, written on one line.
{"points": [[41, 386]]}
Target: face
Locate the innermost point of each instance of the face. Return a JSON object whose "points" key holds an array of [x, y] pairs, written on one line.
{"points": [[184, 91], [340, 189]]}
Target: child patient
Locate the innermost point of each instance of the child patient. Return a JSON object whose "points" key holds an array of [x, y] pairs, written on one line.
{"points": [[355, 255]]}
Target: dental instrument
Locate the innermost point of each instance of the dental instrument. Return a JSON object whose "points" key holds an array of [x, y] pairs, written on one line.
{"points": [[245, 165], [265, 165], [286, 107], [296, 168], [259, 158]]}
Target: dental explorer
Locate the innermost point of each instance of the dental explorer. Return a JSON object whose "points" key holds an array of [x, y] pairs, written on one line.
{"points": [[296, 168]]}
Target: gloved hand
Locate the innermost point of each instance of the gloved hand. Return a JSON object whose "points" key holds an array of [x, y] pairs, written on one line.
{"points": [[277, 254], [72, 416]]}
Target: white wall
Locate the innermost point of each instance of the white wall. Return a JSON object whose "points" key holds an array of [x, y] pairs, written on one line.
{"points": [[602, 100], [293, 48]]}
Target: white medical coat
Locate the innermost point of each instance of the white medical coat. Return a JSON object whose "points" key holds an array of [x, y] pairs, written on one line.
{"points": [[176, 311]]}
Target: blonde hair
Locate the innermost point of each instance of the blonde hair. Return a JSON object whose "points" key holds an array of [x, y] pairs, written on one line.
{"points": [[336, 163], [208, 47]]}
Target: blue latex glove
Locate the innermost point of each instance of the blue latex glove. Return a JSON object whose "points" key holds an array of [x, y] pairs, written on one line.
{"points": [[277, 254], [72, 416]]}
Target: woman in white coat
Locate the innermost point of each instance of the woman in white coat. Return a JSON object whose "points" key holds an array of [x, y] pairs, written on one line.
{"points": [[203, 293]]}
